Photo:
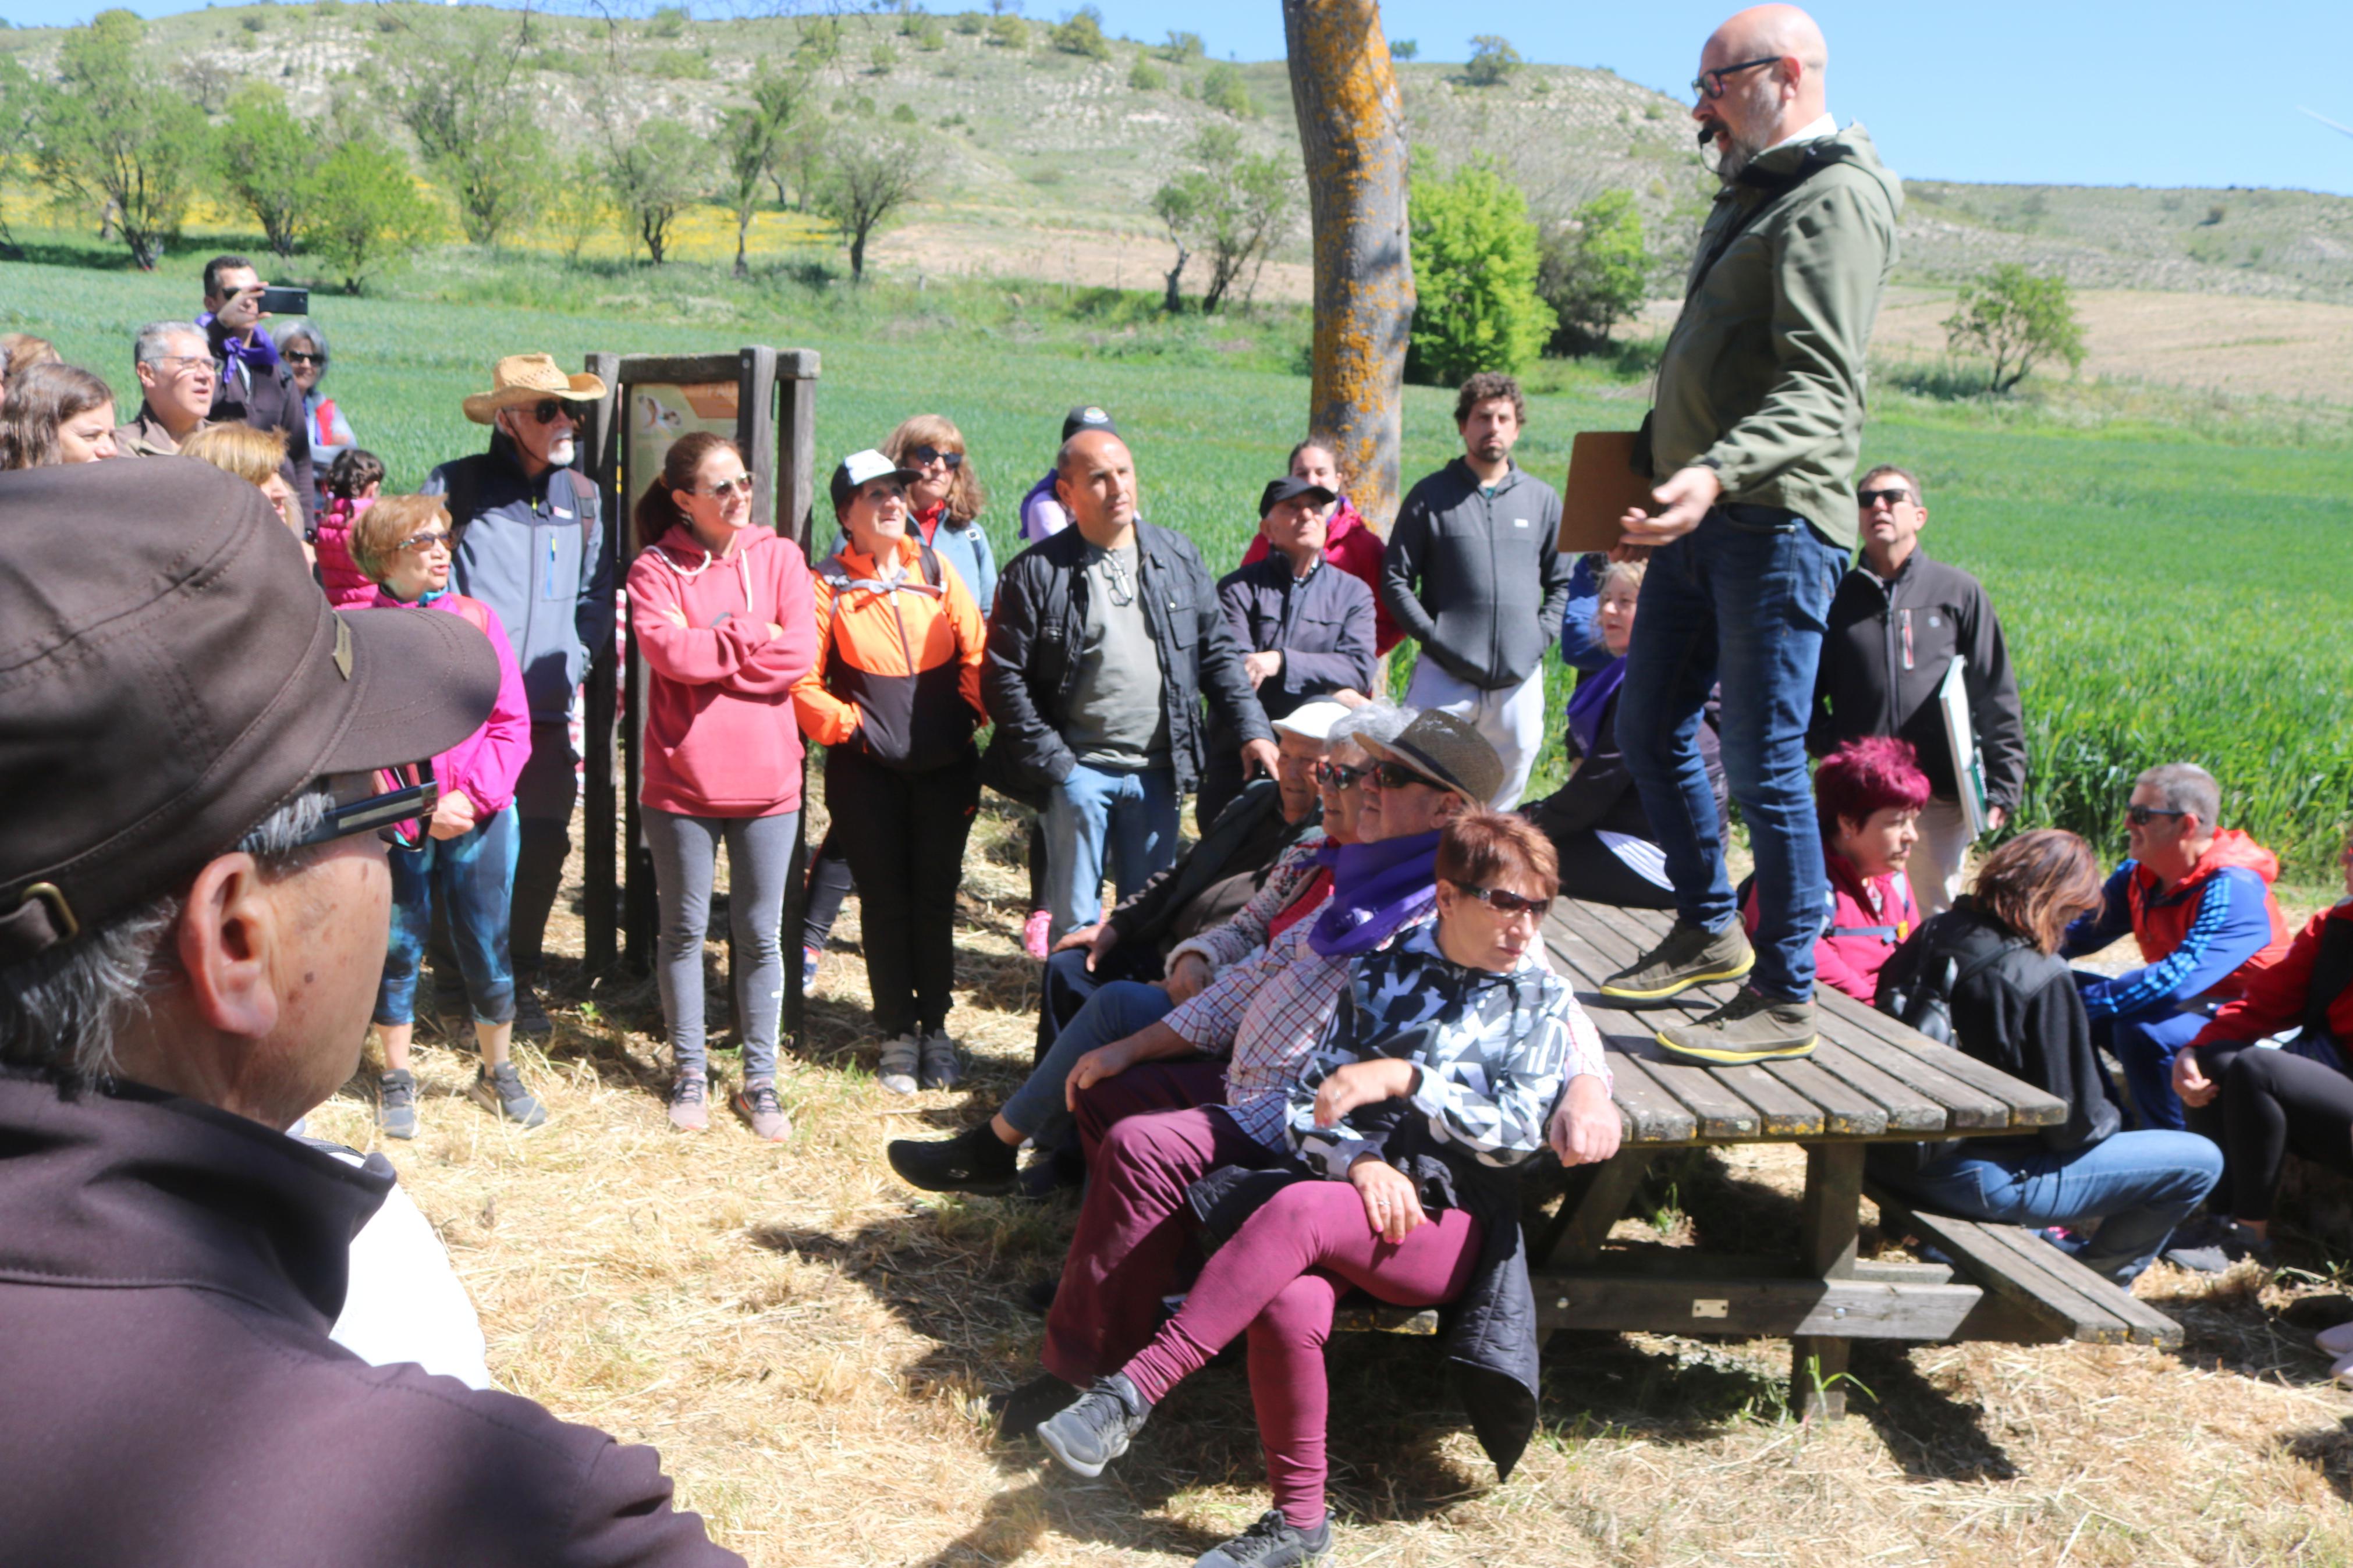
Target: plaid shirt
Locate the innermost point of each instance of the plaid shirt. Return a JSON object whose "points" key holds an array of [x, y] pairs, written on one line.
{"points": [[1245, 932]]}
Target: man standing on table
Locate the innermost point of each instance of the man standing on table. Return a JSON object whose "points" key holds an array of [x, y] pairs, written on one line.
{"points": [[1473, 575], [1754, 441]]}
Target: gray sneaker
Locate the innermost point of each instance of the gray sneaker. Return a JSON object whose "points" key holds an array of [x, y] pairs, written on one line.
{"points": [[1689, 955], [1097, 1429], [1272, 1542], [1751, 1028], [757, 1104], [902, 1057], [395, 1103], [500, 1089], [942, 1063], [690, 1103]]}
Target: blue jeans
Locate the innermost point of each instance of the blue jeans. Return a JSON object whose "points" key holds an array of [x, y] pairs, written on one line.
{"points": [[1112, 1012], [1742, 599], [1129, 816], [2139, 1185], [2146, 1043], [473, 874]]}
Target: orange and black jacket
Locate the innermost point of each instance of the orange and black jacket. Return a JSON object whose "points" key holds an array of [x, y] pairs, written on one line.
{"points": [[898, 662]]}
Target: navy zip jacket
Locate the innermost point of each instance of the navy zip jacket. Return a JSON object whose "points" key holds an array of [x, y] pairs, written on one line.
{"points": [[1474, 578], [1323, 625]]}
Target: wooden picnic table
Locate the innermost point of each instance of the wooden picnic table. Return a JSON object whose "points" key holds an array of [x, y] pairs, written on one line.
{"points": [[1870, 1081]]}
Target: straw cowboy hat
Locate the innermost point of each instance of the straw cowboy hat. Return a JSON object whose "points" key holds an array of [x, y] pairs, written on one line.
{"points": [[521, 379]]}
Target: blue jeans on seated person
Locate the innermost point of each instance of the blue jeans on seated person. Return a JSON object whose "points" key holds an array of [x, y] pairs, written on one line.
{"points": [[1129, 817], [473, 876], [1742, 600], [1067, 982], [2146, 1043], [2139, 1185], [1115, 1011]]}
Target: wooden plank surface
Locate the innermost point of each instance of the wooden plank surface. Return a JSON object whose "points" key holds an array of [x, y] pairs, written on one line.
{"points": [[1847, 1112], [1655, 1115], [2029, 1289], [1908, 1110], [1783, 1110], [2030, 1106], [1830, 1310]]}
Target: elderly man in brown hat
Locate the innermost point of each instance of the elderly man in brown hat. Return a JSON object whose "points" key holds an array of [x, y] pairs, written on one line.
{"points": [[530, 543], [200, 758]]}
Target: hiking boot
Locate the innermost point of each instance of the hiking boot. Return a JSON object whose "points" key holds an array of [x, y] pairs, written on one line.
{"points": [[900, 1056], [1688, 955], [942, 1063], [500, 1087], [756, 1104], [1096, 1430], [1019, 1412], [395, 1103], [531, 1019], [1751, 1028], [1036, 933], [975, 1161], [1272, 1542], [689, 1110]]}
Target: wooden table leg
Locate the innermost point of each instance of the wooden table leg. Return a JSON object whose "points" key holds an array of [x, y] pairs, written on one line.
{"points": [[1574, 1239], [1827, 1224]]}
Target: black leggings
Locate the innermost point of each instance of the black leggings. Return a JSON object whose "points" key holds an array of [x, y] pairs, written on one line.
{"points": [[830, 882], [2273, 1103], [904, 835]]}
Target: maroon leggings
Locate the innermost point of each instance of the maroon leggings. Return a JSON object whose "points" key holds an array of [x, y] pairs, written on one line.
{"points": [[1279, 1278]]}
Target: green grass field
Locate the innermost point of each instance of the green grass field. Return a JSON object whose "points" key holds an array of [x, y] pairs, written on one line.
{"points": [[2169, 591]]}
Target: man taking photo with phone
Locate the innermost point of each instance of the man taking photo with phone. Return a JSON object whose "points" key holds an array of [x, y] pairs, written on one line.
{"points": [[255, 384]]}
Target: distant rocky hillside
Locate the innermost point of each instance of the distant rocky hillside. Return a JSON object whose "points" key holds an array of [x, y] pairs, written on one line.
{"points": [[1032, 137]]}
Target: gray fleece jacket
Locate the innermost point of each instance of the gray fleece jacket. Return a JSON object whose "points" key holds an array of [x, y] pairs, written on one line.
{"points": [[1474, 578]]}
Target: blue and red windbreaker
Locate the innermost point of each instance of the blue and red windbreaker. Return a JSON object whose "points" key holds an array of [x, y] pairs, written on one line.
{"points": [[2205, 935]]}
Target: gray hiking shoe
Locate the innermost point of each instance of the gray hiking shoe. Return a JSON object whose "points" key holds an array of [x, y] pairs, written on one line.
{"points": [[500, 1089], [1272, 1542], [942, 1063], [901, 1056], [1689, 955], [1097, 1429], [395, 1103], [1750, 1027], [690, 1103], [757, 1104]]}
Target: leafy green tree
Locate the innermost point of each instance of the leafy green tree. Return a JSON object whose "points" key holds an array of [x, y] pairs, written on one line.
{"points": [[971, 24], [1145, 77], [1594, 271], [867, 177], [752, 143], [1181, 48], [577, 208], [112, 135], [1223, 88], [1403, 49], [2016, 319], [267, 157], [480, 133], [653, 172], [1231, 207], [20, 115], [1008, 31], [1492, 61], [1082, 35], [821, 42], [670, 22], [1474, 268], [361, 212]]}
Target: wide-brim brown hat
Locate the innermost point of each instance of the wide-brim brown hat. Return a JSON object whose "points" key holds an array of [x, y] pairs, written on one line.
{"points": [[520, 380], [1447, 750], [173, 676]]}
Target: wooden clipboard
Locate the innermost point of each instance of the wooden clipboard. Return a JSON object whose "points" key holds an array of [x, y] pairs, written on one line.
{"points": [[1602, 487]]}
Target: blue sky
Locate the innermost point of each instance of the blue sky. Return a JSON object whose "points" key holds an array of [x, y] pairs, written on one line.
{"points": [[1992, 89]]}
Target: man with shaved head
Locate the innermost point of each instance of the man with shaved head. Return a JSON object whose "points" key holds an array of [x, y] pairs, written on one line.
{"points": [[1753, 443], [1105, 640]]}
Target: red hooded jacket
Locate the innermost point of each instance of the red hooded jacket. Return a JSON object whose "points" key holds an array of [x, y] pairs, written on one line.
{"points": [[1869, 919], [1350, 543], [2276, 998]]}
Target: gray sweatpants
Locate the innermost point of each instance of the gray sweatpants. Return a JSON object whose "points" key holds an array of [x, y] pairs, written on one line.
{"points": [[759, 864]]}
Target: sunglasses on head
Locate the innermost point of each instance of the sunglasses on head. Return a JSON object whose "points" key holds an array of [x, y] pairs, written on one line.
{"points": [[1338, 775], [2140, 816], [1897, 497], [1396, 775], [1502, 903], [926, 456], [394, 804]]}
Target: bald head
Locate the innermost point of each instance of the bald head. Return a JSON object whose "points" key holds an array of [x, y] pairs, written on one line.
{"points": [[1773, 59], [1095, 481], [1782, 30]]}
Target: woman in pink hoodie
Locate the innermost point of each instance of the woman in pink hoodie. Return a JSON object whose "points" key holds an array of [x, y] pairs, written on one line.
{"points": [[468, 856], [720, 608], [1868, 794]]}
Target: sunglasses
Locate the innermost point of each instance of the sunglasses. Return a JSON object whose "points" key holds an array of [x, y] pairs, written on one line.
{"points": [[2139, 816], [926, 456], [1396, 775], [1502, 903], [548, 410], [741, 483], [1709, 84], [296, 356], [1336, 775], [426, 540], [394, 804], [1870, 499]]}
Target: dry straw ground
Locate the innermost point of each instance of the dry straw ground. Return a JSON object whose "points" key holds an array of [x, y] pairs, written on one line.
{"points": [[809, 1343]]}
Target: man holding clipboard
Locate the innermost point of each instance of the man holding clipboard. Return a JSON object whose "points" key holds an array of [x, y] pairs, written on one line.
{"points": [[1754, 439]]}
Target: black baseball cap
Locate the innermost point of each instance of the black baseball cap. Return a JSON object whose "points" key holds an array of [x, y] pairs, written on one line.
{"points": [[1291, 487], [173, 676], [1087, 417]]}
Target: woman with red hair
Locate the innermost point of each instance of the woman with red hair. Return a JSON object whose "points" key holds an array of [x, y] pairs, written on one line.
{"points": [[1868, 794]]}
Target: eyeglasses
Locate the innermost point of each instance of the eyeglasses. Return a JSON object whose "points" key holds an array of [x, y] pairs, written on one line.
{"points": [[926, 456], [1336, 775], [740, 483], [2139, 816], [394, 804], [296, 356], [1502, 903], [1396, 775], [426, 540], [1709, 84], [187, 365], [1870, 499]]}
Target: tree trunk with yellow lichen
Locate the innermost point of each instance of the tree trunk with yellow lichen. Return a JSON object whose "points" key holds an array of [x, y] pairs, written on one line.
{"points": [[1352, 132]]}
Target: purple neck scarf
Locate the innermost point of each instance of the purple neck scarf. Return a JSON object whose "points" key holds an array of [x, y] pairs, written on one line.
{"points": [[1590, 700], [1376, 888], [259, 356]]}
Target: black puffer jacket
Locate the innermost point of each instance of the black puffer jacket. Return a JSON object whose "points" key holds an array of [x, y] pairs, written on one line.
{"points": [[1031, 671]]}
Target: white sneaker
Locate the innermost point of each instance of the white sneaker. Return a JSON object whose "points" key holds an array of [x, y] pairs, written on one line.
{"points": [[2336, 1342], [901, 1058]]}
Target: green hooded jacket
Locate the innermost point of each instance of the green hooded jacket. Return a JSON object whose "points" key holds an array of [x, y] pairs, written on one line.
{"points": [[1763, 375]]}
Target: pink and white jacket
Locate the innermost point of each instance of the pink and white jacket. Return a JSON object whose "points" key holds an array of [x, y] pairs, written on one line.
{"points": [[485, 764], [348, 587]]}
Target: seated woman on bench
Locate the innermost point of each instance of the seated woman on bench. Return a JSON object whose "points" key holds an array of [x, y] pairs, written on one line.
{"points": [[1433, 1084], [1867, 795], [2262, 1105], [1992, 961]]}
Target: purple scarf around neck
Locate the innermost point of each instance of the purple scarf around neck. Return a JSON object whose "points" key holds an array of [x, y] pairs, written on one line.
{"points": [[1376, 888], [1590, 700]]}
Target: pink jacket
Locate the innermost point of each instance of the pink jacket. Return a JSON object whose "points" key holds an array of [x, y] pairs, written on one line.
{"points": [[721, 739], [485, 764], [1870, 918], [348, 587]]}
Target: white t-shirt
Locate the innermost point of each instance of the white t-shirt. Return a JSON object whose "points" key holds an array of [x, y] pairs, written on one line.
{"points": [[405, 1303]]}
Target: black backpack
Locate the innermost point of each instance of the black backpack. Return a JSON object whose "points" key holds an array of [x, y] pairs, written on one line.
{"points": [[1928, 1007]]}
